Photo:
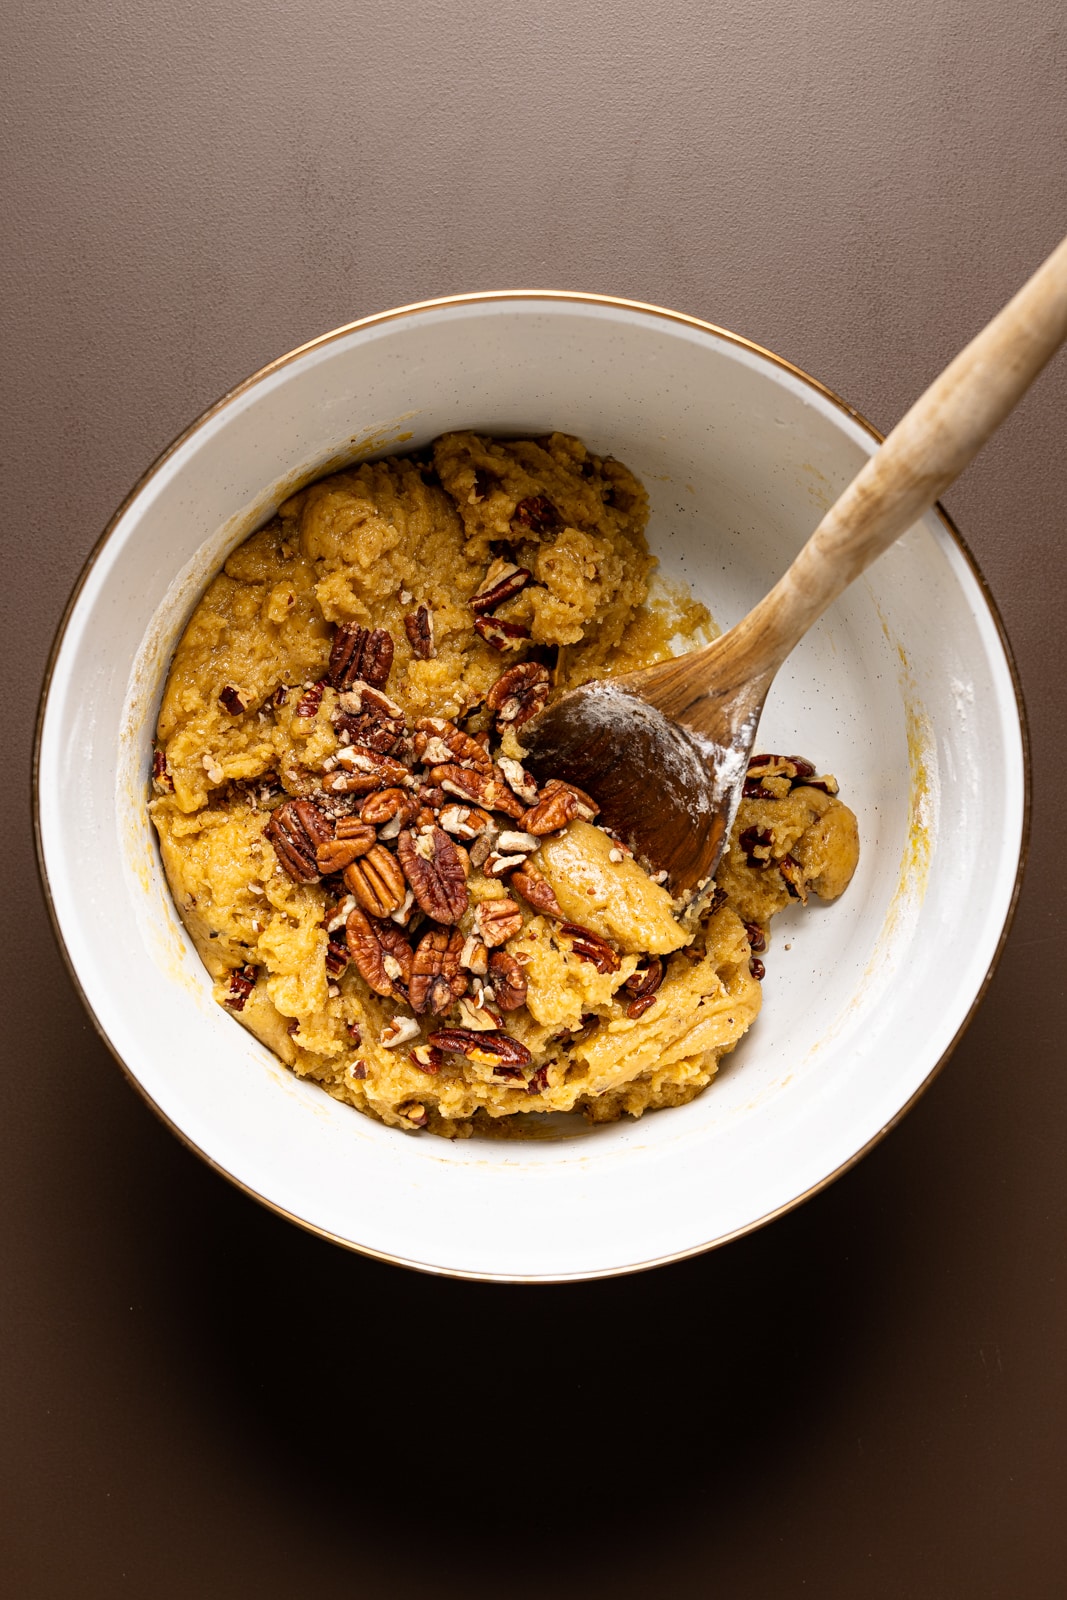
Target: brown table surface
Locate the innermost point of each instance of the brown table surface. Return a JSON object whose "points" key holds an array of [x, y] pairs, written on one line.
{"points": [[866, 1399]]}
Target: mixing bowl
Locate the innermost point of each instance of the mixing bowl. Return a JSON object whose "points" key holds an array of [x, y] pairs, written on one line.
{"points": [[905, 691]]}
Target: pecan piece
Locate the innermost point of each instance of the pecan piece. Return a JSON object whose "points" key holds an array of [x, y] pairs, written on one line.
{"points": [[360, 653], [242, 982], [377, 882], [418, 626], [537, 891], [352, 840], [466, 822], [485, 789], [756, 844], [386, 804], [162, 782], [230, 700], [312, 699], [437, 979], [434, 869], [370, 718], [503, 580], [490, 1049], [642, 986], [559, 804], [336, 954], [357, 770], [439, 743], [795, 882], [538, 514], [497, 921], [500, 634], [519, 694], [508, 980], [590, 947], [426, 1058], [399, 956], [639, 1006], [296, 829], [538, 1083], [757, 939], [474, 956], [415, 1112], [757, 969]]}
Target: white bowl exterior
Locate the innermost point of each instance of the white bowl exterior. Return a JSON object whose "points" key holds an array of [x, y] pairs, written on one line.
{"points": [[903, 690]]}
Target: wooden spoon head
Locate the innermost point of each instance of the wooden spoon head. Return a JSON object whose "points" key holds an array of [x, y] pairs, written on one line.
{"points": [[668, 791]]}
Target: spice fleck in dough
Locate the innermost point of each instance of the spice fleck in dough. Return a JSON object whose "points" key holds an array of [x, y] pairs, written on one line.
{"points": [[375, 885]]}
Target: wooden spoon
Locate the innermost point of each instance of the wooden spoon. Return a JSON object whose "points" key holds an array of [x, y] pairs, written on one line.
{"points": [[664, 751]]}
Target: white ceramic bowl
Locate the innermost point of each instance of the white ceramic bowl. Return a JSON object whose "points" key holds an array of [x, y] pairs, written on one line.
{"points": [[905, 691]]}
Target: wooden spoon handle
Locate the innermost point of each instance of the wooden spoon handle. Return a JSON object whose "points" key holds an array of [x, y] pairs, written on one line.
{"points": [[925, 452]]}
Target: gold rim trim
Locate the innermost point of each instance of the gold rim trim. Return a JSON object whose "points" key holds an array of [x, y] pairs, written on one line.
{"points": [[576, 298]]}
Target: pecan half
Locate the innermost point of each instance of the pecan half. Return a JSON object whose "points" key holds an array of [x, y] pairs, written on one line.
{"points": [[242, 982], [497, 921], [437, 979], [433, 868], [352, 840], [503, 580], [377, 882], [519, 694], [590, 946], [360, 653], [639, 1006], [367, 953], [439, 743], [490, 1049], [230, 700], [311, 700], [418, 626], [508, 980], [370, 718], [485, 789], [500, 634], [296, 829], [559, 804], [538, 514], [537, 891], [399, 956]]}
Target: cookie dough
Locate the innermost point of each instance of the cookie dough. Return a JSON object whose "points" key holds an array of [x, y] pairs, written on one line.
{"points": [[376, 887]]}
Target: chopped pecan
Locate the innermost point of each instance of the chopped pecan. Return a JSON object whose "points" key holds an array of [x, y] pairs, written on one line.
{"points": [[358, 1069], [757, 969], [508, 980], [795, 882], [434, 870], [386, 804], [355, 1034], [503, 580], [358, 770], [280, 696], [757, 939], [519, 781], [638, 1006], [590, 946], [537, 891], [559, 804], [296, 829], [377, 882], [756, 844], [368, 717], [490, 1049], [474, 956], [399, 956], [497, 921], [485, 789], [162, 781], [360, 653], [537, 1083], [437, 978], [647, 979], [366, 951], [500, 634], [538, 514], [242, 982], [439, 743], [466, 822], [336, 954], [230, 699], [418, 625], [484, 485], [803, 769], [426, 1058], [415, 1112], [310, 701], [352, 840], [519, 694]]}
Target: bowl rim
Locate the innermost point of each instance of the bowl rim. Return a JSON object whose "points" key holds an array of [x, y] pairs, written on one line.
{"points": [[482, 297]]}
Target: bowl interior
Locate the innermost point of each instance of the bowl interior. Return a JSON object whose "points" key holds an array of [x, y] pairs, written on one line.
{"points": [[903, 690]]}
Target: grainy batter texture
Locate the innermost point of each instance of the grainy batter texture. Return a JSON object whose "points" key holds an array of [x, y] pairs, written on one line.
{"points": [[377, 887]]}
